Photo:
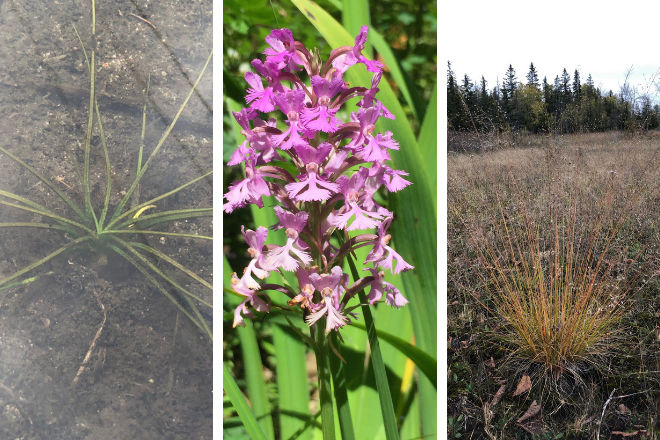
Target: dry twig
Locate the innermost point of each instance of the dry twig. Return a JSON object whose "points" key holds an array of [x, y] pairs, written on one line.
{"points": [[91, 347]]}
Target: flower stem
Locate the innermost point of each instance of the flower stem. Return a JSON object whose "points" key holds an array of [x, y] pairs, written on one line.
{"points": [[325, 391]]}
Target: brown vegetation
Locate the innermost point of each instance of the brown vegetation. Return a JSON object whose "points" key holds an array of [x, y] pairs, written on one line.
{"points": [[552, 254]]}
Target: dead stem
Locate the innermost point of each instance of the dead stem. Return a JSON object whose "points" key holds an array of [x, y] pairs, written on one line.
{"points": [[93, 345]]}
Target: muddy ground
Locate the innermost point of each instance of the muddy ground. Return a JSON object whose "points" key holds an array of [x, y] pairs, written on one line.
{"points": [[150, 373]]}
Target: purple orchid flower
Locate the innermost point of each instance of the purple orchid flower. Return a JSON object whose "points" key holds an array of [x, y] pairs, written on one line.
{"points": [[292, 103], [369, 99], [251, 297], [282, 49], [281, 256], [331, 287], [317, 188], [384, 255], [249, 189], [263, 98], [327, 193], [322, 117], [258, 264], [350, 58], [350, 189], [379, 286]]}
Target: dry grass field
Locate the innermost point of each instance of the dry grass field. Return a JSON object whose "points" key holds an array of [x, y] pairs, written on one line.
{"points": [[553, 296]]}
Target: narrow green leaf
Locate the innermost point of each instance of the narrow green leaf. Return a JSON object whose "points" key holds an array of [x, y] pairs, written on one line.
{"points": [[129, 192], [395, 70], [198, 322], [355, 14], [44, 260], [425, 362], [146, 221], [25, 281], [160, 197], [341, 392], [241, 406], [292, 385], [428, 140], [326, 400], [382, 384], [174, 263], [49, 183]]}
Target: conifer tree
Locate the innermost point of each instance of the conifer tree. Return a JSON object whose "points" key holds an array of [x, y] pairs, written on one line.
{"points": [[547, 95], [577, 88], [485, 105], [532, 77], [457, 117], [565, 91], [509, 99]]}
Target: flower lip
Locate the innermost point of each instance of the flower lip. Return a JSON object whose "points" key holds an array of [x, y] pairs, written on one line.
{"points": [[312, 167], [291, 233]]}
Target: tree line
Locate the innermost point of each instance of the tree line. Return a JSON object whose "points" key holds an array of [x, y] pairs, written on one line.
{"points": [[566, 105]]}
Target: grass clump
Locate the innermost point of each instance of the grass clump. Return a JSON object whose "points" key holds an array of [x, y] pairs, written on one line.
{"points": [[556, 255], [115, 229]]}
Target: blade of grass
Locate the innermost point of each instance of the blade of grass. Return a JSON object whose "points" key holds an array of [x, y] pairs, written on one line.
{"points": [[428, 138], [150, 265], [25, 281], [174, 263], [90, 124], [389, 418], [43, 213], [34, 225], [425, 362], [108, 171], [146, 221], [202, 325], [164, 137], [50, 184], [341, 392], [160, 197], [241, 406], [292, 384], [45, 259], [169, 234]]}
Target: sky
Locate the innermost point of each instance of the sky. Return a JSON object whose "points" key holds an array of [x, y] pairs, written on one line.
{"points": [[604, 39]]}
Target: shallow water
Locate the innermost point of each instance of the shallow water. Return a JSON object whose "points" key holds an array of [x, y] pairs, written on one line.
{"points": [[149, 375]]}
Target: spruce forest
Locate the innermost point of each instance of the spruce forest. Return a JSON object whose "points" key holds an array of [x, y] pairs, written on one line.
{"points": [[563, 105]]}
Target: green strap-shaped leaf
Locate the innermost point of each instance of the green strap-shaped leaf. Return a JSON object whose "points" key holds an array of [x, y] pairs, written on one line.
{"points": [[428, 140], [292, 384], [355, 14], [382, 384], [238, 401], [425, 362], [397, 73]]}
